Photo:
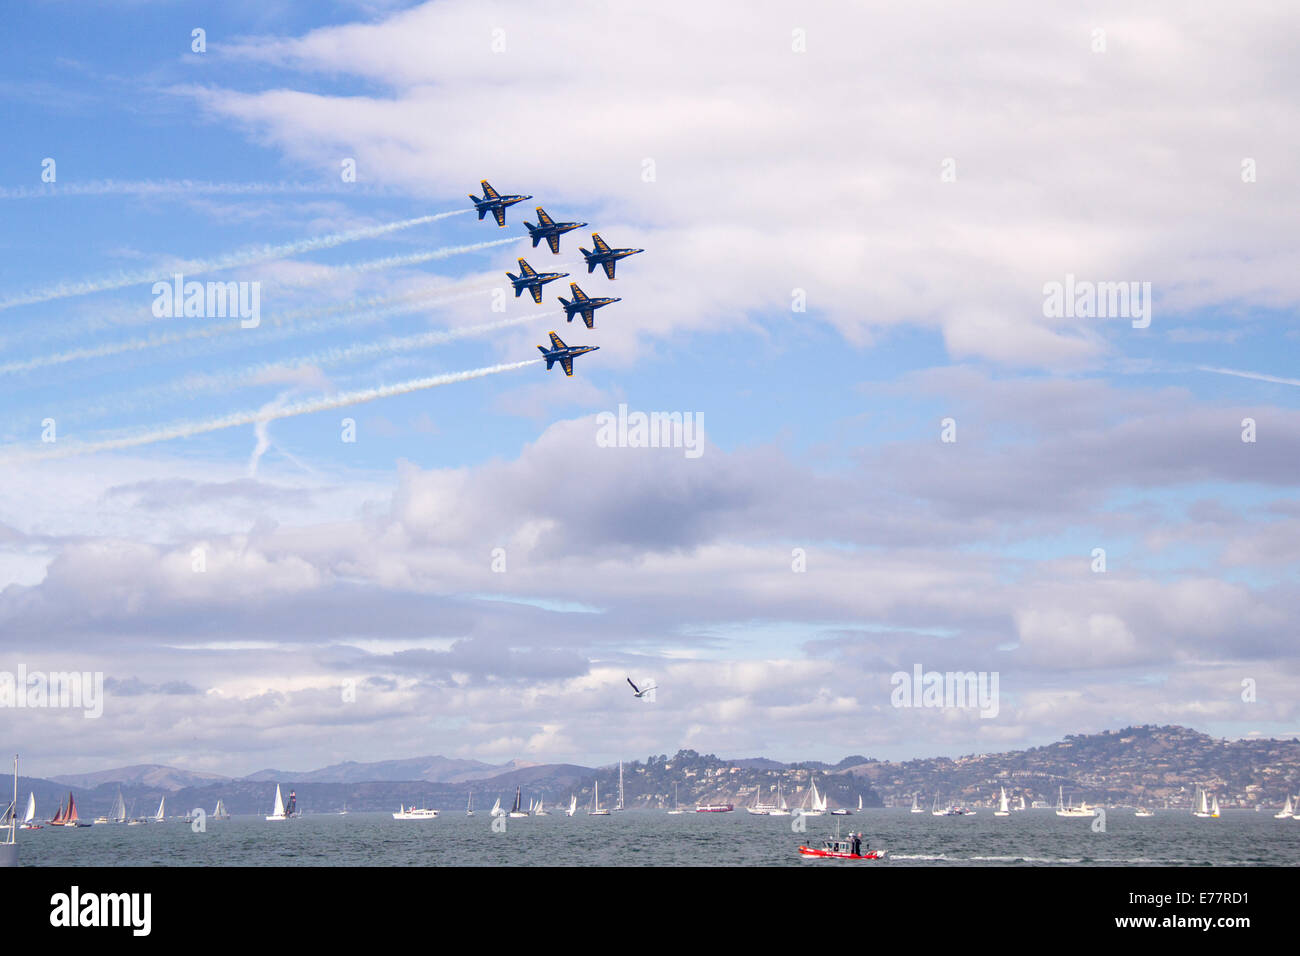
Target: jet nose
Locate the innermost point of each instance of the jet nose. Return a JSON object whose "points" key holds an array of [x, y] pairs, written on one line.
{"points": [[618, 298]]}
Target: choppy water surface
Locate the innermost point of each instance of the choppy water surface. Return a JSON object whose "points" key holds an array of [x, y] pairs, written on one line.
{"points": [[653, 838]]}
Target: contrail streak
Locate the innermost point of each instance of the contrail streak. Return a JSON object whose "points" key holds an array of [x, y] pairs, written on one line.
{"points": [[412, 302], [266, 414], [351, 353], [244, 257], [1257, 376], [182, 187]]}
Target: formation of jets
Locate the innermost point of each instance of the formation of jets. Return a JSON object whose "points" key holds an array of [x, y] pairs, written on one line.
{"points": [[532, 280]]}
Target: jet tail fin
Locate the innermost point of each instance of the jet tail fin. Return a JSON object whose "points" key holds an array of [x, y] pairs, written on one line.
{"points": [[550, 359]]}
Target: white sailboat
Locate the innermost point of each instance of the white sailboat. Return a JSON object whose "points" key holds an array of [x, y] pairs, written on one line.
{"points": [[915, 806], [496, 810], [781, 809], [676, 809], [1287, 811], [160, 816], [541, 810], [219, 812], [1214, 806], [619, 805], [595, 810], [1071, 811], [1004, 808], [469, 805], [9, 845], [29, 818], [816, 802], [573, 806], [517, 810], [935, 811], [1022, 803], [759, 809], [117, 814], [277, 813], [1202, 805]]}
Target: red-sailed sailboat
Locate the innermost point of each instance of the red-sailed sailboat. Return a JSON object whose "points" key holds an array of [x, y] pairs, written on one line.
{"points": [[58, 819]]}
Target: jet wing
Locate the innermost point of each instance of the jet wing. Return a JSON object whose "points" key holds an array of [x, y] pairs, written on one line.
{"points": [[488, 191], [500, 215], [577, 293], [567, 362], [589, 316], [554, 243], [609, 268], [544, 219], [555, 342], [601, 244], [536, 290], [526, 269]]}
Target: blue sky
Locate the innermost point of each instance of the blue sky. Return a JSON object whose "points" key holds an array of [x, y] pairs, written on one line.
{"points": [[775, 170]]}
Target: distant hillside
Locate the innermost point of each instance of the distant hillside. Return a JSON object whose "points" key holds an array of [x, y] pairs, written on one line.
{"points": [[432, 769], [1156, 765], [154, 776]]}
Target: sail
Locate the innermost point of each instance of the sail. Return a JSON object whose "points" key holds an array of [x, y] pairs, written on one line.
{"points": [[118, 813], [30, 815], [859, 801], [72, 810], [279, 803], [58, 817], [1002, 805], [1022, 801], [515, 808], [162, 811], [496, 807], [1201, 807], [1214, 807]]}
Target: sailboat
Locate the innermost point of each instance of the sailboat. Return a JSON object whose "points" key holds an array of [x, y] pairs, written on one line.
{"points": [[517, 810], [159, 817], [118, 813], [1004, 808], [1287, 811], [1022, 803], [496, 810], [276, 814], [541, 810], [816, 802], [759, 809], [1214, 806], [71, 819], [595, 810], [573, 806], [619, 805], [469, 805], [780, 810], [1071, 811], [676, 809], [1142, 809], [915, 807], [9, 846], [29, 818], [935, 811], [219, 812], [1202, 809]]}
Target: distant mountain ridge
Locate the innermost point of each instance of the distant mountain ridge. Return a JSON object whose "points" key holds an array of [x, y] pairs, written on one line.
{"points": [[153, 775]]}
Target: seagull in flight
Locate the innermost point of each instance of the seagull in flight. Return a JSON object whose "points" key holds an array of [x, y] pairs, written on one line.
{"points": [[639, 692]]}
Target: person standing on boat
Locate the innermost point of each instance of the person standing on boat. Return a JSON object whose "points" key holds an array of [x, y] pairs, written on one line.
{"points": [[857, 843]]}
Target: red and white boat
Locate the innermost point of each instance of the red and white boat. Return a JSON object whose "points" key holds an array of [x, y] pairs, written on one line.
{"points": [[714, 808], [836, 848]]}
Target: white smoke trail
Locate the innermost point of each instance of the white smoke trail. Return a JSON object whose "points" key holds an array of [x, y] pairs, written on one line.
{"points": [[244, 257], [266, 414], [184, 187], [1256, 376], [343, 354], [172, 338], [411, 302]]}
